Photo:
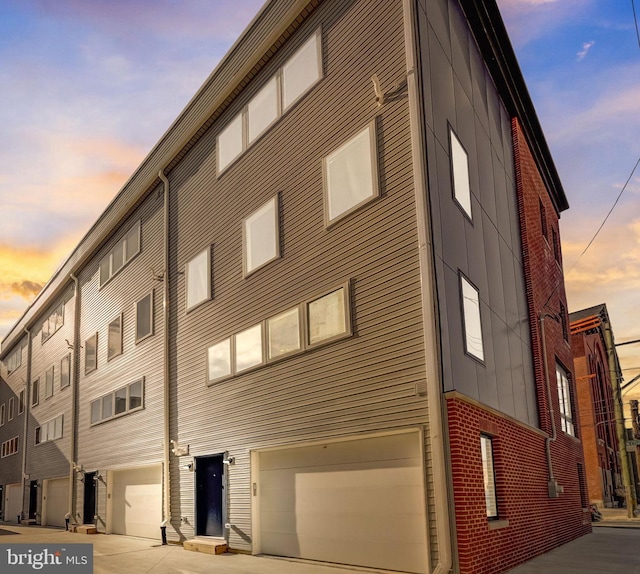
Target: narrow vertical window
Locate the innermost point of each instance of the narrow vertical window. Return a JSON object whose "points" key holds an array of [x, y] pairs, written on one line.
{"points": [[472, 324], [114, 342], [144, 317], [21, 402], [2, 414], [302, 70], [563, 322], [219, 360], [261, 237], [65, 371], [199, 279], [263, 110], [564, 399], [91, 354], [488, 473], [460, 174], [248, 348], [230, 142], [35, 392], [48, 382], [12, 408]]}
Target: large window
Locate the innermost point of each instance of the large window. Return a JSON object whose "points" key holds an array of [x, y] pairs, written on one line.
{"points": [[328, 317], [261, 237], [248, 348], [288, 85], [460, 174], [114, 342], [65, 371], [283, 334], [488, 473], [124, 400], [120, 254], [199, 279], [144, 317], [472, 325], [14, 360], [48, 381], [564, 398], [51, 430], [91, 354], [52, 323], [351, 175]]}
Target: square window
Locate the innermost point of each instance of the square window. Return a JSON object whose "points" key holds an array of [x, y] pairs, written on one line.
{"points": [[114, 343], [460, 174], [472, 324], [121, 401], [302, 70], [199, 279], [12, 408], [35, 392], [262, 110], [91, 354], [230, 142], [328, 317], [261, 237], [351, 175], [144, 317], [48, 382], [65, 371], [248, 348], [135, 395], [284, 333], [96, 411], [488, 473], [219, 360]]}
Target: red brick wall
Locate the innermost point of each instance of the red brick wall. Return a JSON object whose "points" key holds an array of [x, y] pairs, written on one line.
{"points": [[537, 523]]}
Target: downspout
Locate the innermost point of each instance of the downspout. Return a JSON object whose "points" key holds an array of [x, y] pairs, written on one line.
{"points": [[166, 518], [73, 374], [27, 411], [437, 429], [553, 487]]}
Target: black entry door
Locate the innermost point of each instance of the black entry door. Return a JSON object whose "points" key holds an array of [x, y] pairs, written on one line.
{"points": [[89, 498], [33, 499], [209, 495]]}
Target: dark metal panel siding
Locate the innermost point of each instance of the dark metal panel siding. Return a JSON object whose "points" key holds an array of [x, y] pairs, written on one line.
{"points": [[459, 90], [10, 387], [360, 384], [136, 438]]}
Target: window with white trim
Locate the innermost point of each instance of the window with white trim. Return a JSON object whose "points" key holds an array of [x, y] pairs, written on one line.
{"points": [[263, 110], [230, 142], [565, 401], [2, 414], [9, 447], [302, 71], [120, 254], [122, 401], [35, 392], [489, 476], [52, 323], [261, 236], [219, 360], [328, 317], [65, 371], [144, 317], [283, 333], [14, 360], [12, 408], [91, 354], [21, 402], [351, 175], [472, 324], [248, 348], [48, 382], [114, 338], [199, 279], [51, 430], [460, 174]]}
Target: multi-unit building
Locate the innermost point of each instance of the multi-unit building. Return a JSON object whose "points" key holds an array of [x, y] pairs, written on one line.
{"points": [[325, 318]]}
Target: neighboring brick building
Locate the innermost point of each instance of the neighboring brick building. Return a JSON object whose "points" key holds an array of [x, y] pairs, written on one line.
{"points": [[596, 405]]}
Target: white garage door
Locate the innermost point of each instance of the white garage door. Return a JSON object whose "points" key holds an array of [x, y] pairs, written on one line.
{"points": [[136, 502], [55, 501], [12, 502], [358, 502]]}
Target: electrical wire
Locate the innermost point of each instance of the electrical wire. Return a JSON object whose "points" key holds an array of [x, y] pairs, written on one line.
{"points": [[635, 19]]}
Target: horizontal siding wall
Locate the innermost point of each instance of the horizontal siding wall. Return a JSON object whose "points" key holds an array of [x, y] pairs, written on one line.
{"points": [[365, 383]]}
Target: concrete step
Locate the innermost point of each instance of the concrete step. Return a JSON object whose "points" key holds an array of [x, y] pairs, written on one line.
{"points": [[85, 529], [206, 545]]}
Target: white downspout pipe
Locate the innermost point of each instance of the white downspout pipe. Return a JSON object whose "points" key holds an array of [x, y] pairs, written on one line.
{"points": [[27, 412], [73, 375], [427, 274], [166, 518]]}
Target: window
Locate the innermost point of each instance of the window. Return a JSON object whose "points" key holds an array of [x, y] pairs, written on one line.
{"points": [[283, 334], [219, 360], [114, 338], [328, 317], [120, 254], [261, 237], [91, 354], [21, 402], [302, 70], [543, 220], [471, 323], [14, 360], [488, 473], [144, 317], [12, 408], [263, 110], [2, 414], [35, 392], [199, 279], [564, 398], [65, 371], [351, 175], [460, 174], [288, 85], [48, 382], [556, 244], [124, 400], [248, 348], [9, 447], [52, 323], [51, 430]]}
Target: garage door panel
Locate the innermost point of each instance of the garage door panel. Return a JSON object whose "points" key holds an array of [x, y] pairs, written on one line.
{"points": [[13, 502], [136, 508], [57, 501]]}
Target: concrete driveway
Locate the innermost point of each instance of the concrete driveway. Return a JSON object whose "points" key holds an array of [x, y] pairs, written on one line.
{"points": [[114, 554]]}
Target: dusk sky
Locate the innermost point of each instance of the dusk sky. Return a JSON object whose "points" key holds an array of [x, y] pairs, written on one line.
{"points": [[89, 86]]}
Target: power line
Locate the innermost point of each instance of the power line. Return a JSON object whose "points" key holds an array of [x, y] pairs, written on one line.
{"points": [[635, 19]]}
